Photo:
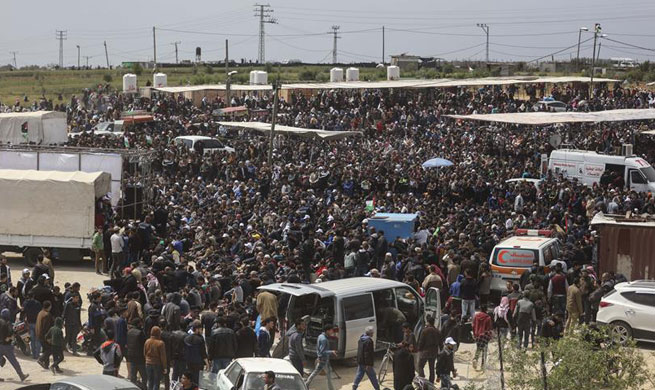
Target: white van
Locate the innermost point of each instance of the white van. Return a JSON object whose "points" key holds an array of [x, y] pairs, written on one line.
{"points": [[352, 305], [512, 256], [588, 167]]}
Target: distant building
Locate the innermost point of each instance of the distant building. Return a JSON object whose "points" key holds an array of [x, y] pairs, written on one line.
{"points": [[406, 62]]}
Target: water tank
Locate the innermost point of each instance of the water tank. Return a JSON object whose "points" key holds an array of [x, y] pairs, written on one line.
{"points": [[393, 72], [352, 74], [129, 83], [159, 80], [336, 75], [261, 77]]}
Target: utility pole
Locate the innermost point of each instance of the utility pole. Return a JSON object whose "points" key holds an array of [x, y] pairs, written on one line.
{"points": [[61, 36], [485, 28], [78, 56], [87, 61], [577, 60], [228, 77], [276, 87], [335, 30], [175, 44], [263, 12], [106, 55], [154, 48], [597, 30], [382, 45], [14, 54]]}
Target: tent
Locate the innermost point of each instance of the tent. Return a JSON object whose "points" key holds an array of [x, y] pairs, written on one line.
{"points": [[546, 118], [299, 131], [40, 127]]}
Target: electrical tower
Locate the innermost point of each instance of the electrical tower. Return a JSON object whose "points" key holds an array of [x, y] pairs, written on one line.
{"points": [[14, 54], [61, 36], [485, 28], [335, 32], [263, 12], [175, 44]]}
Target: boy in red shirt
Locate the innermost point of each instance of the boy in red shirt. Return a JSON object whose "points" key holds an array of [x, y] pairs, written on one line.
{"points": [[482, 331]]}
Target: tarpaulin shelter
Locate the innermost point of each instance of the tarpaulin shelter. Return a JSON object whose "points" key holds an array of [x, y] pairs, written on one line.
{"points": [[39, 127], [547, 118], [288, 130]]}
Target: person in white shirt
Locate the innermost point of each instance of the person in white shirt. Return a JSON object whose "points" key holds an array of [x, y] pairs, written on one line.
{"points": [[117, 244]]}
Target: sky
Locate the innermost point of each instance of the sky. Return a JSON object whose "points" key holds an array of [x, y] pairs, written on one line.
{"points": [[525, 30]]}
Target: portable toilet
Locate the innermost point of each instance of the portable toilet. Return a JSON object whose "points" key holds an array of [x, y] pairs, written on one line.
{"points": [[352, 74], [393, 72], [252, 77], [129, 83], [336, 75], [261, 77], [159, 80]]}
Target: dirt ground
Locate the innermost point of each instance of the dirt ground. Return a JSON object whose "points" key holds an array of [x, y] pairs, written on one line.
{"points": [[84, 274]]}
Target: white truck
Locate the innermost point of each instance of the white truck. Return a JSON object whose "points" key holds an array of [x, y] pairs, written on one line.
{"points": [[49, 210], [588, 167]]}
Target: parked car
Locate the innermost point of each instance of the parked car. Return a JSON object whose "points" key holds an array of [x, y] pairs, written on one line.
{"points": [[198, 142], [85, 382], [247, 374], [629, 309], [551, 106]]}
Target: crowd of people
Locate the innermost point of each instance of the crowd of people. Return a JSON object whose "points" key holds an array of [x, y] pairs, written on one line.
{"points": [[181, 295]]}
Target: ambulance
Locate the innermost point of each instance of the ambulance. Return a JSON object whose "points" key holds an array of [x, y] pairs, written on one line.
{"points": [[512, 256]]}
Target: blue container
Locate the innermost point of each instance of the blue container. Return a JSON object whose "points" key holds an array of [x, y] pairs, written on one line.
{"points": [[393, 225]]}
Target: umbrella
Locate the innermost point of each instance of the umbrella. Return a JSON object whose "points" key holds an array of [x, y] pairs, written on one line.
{"points": [[437, 162]]}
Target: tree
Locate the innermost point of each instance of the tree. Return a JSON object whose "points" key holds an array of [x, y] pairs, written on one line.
{"points": [[107, 77], [585, 360], [137, 69]]}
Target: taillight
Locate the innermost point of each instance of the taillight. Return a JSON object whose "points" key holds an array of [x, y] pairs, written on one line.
{"points": [[604, 304]]}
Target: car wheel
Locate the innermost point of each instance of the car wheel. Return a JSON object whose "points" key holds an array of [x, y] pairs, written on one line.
{"points": [[621, 332]]}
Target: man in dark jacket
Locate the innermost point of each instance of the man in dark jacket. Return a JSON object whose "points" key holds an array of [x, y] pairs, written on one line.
{"points": [[296, 349], [135, 342], [172, 311], [44, 322], [446, 363], [6, 347], [72, 322], [403, 368], [366, 358], [246, 340], [31, 309], [177, 354], [428, 346], [195, 352], [468, 291], [221, 346]]}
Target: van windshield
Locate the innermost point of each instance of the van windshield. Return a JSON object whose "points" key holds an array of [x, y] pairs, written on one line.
{"points": [[649, 172], [514, 257]]}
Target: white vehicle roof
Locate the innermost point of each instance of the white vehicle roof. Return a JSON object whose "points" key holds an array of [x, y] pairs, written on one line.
{"points": [[591, 156], [525, 179], [194, 138], [636, 285], [278, 366], [525, 242], [334, 287]]}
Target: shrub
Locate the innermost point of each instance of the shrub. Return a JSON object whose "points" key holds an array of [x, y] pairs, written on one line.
{"points": [[107, 77]]}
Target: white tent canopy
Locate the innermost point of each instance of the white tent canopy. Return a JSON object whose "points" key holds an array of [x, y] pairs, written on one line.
{"points": [[309, 133], [403, 83], [546, 118], [43, 127]]}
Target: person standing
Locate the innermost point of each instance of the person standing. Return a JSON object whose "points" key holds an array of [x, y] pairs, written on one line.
{"points": [[524, 315], [296, 349], [468, 290], [267, 304], [55, 338], [265, 338], [97, 246], [246, 340], [365, 359], [31, 310], [323, 354], [428, 347], [574, 306], [446, 363], [195, 352], [403, 367], [221, 346], [6, 346], [109, 355], [136, 340], [154, 352], [47, 261], [72, 322], [482, 327], [44, 322], [117, 244]]}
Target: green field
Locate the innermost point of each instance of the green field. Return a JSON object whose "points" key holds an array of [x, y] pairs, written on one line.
{"points": [[35, 83]]}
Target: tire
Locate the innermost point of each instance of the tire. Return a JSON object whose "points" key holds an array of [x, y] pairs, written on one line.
{"points": [[30, 255], [621, 332]]}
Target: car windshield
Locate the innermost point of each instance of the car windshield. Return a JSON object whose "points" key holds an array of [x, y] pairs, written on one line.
{"points": [[649, 172], [255, 381], [103, 126], [211, 144]]}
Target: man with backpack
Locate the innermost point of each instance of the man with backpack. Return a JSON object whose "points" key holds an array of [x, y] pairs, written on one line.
{"points": [[109, 355]]}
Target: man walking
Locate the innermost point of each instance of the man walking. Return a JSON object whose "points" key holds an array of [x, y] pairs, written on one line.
{"points": [[296, 349], [221, 346], [265, 338], [482, 327], [195, 352], [97, 246], [44, 322], [7, 348], [72, 322], [323, 354], [524, 316], [428, 347], [446, 363], [117, 244], [574, 306], [365, 359]]}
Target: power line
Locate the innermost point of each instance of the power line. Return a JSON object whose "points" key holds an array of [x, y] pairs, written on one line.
{"points": [[458, 50], [61, 36], [628, 44], [559, 51]]}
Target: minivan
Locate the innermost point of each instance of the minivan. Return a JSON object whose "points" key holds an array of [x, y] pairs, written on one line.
{"points": [[352, 305]]}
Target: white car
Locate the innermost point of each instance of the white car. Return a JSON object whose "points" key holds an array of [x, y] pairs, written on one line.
{"points": [[551, 106], [208, 144], [630, 311], [85, 382], [247, 374]]}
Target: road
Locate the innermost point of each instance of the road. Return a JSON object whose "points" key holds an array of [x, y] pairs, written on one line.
{"points": [[84, 273]]}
